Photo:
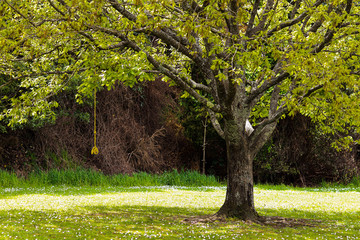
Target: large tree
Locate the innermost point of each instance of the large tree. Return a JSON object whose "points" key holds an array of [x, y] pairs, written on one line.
{"points": [[257, 60]]}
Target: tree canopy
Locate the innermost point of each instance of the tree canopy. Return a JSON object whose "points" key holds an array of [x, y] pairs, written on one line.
{"points": [[307, 50], [258, 60]]}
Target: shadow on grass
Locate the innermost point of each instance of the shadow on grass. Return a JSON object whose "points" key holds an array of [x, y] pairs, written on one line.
{"points": [[308, 189], [127, 222], [320, 216]]}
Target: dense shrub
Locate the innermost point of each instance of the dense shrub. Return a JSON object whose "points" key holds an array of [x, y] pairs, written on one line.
{"points": [[301, 154], [137, 131]]}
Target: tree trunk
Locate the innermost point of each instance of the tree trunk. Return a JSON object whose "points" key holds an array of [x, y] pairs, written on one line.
{"points": [[239, 200]]}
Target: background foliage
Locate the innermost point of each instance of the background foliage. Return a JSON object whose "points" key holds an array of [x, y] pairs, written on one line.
{"points": [[53, 52]]}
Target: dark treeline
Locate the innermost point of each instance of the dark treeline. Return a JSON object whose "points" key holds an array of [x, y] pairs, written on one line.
{"points": [[150, 128]]}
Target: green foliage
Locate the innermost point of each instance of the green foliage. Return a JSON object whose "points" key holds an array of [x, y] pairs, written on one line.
{"points": [[47, 47]]}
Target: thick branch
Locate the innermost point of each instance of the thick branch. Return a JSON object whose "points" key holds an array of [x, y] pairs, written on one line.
{"points": [[260, 136], [196, 7], [166, 35], [166, 38], [316, 25], [330, 33], [56, 8], [65, 5], [263, 131], [348, 7], [252, 16], [311, 91], [232, 24], [264, 17], [294, 21], [190, 82], [121, 45], [231, 89], [109, 31], [126, 43], [265, 86], [271, 119], [185, 84], [296, 8], [275, 96], [287, 24], [188, 85], [116, 5], [216, 124], [327, 39], [275, 114]]}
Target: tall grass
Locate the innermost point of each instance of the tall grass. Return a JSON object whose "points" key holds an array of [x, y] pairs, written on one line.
{"points": [[9, 179], [354, 183], [87, 177]]}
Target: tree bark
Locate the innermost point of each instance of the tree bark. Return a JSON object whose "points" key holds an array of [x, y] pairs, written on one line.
{"points": [[239, 200]]}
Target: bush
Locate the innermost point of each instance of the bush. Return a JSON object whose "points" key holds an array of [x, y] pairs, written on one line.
{"points": [[300, 154]]}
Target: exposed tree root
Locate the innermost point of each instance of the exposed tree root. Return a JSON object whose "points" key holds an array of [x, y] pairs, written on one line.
{"points": [[247, 214], [274, 221], [281, 222]]}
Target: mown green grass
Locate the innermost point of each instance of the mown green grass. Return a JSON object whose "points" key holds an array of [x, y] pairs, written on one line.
{"points": [[89, 212]]}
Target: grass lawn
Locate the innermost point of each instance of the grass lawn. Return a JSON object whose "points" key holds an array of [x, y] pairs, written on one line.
{"points": [[163, 213]]}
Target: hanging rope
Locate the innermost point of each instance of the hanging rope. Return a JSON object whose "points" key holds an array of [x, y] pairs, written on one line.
{"points": [[94, 150]]}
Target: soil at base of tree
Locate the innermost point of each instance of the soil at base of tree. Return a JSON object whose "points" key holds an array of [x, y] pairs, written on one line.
{"points": [[273, 221]]}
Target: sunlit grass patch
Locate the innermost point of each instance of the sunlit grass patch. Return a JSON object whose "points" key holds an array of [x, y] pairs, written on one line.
{"points": [[160, 212]]}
